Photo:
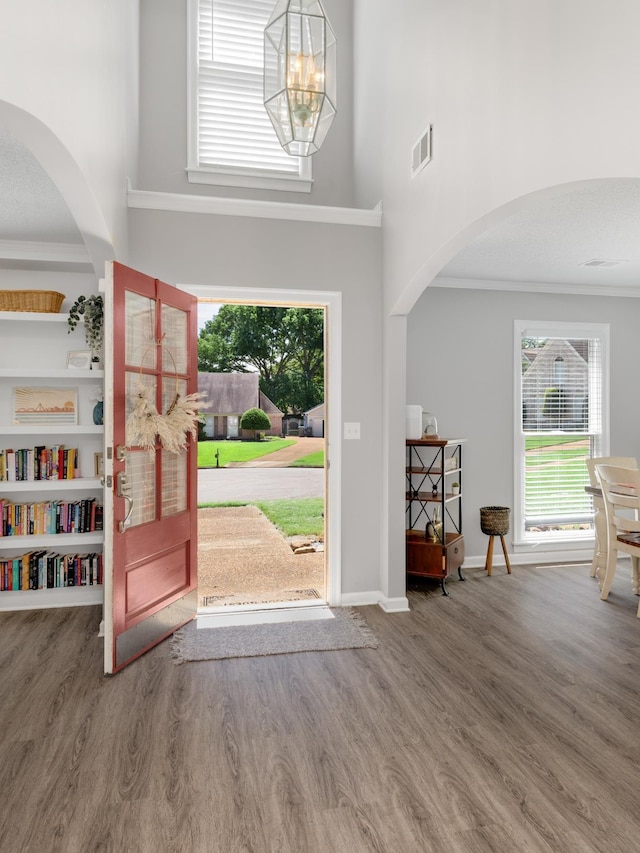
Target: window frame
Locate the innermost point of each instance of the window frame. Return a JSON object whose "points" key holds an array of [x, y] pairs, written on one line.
{"points": [[220, 175], [553, 329]]}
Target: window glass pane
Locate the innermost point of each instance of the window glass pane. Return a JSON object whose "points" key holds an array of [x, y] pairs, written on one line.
{"points": [[234, 132], [140, 319], [134, 381], [140, 467], [174, 350], [562, 399], [170, 389], [174, 483]]}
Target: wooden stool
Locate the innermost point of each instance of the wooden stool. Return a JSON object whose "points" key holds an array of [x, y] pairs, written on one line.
{"points": [[489, 561], [494, 521]]}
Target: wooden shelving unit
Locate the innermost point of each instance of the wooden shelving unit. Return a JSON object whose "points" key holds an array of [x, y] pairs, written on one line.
{"points": [[434, 540]]}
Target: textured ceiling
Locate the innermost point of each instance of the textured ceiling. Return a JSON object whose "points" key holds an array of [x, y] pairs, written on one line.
{"points": [[31, 208], [551, 241]]}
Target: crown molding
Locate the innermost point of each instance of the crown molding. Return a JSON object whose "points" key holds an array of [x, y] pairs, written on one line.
{"points": [[537, 287], [218, 206], [27, 250]]}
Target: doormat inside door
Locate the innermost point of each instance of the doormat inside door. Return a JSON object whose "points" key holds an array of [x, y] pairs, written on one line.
{"points": [[347, 630]]}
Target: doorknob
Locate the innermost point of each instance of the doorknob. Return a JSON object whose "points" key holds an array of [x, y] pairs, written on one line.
{"points": [[122, 490]]}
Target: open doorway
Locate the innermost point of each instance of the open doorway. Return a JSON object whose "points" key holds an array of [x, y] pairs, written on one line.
{"points": [[264, 521]]}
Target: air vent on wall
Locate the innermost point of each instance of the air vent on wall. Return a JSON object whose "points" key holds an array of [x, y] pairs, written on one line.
{"points": [[601, 262], [421, 152]]}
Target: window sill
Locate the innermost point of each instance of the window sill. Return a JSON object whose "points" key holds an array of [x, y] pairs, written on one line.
{"points": [[255, 181]]}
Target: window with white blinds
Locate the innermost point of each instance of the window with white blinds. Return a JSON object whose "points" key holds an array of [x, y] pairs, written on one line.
{"points": [[232, 141], [561, 420]]}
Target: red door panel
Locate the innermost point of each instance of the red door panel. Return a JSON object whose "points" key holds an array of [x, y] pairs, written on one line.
{"points": [[152, 547]]}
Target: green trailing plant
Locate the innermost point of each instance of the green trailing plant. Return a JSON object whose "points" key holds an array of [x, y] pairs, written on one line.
{"points": [[91, 308]]}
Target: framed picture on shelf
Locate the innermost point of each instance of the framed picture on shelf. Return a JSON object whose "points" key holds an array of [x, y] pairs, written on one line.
{"points": [[98, 464], [45, 406], [79, 359]]}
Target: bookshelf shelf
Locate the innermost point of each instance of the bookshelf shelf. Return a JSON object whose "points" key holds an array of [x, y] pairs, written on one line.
{"points": [[51, 430], [76, 485], [35, 353], [37, 599], [32, 317], [67, 374], [52, 540]]}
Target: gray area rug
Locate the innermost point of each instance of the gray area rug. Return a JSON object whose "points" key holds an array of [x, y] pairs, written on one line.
{"points": [[348, 630]]}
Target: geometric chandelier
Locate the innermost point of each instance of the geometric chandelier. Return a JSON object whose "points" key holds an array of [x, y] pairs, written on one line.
{"points": [[300, 75]]}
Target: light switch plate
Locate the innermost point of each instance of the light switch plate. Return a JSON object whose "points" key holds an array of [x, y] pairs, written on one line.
{"points": [[352, 430]]}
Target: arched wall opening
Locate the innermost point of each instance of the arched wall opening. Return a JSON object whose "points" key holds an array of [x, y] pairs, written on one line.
{"points": [[460, 351], [60, 166]]}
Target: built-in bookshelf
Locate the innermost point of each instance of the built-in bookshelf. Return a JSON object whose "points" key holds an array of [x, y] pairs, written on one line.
{"points": [[51, 494]]}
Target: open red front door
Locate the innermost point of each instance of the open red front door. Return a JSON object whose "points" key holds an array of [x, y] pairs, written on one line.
{"points": [[150, 521]]}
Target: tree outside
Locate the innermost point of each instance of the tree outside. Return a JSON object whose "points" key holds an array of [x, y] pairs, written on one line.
{"points": [[284, 345]]}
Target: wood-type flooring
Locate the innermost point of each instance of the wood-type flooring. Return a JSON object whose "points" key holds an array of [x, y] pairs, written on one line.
{"points": [[505, 717]]}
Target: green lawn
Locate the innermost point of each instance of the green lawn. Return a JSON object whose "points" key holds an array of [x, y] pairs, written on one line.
{"points": [[304, 516], [237, 451], [555, 476], [313, 460]]}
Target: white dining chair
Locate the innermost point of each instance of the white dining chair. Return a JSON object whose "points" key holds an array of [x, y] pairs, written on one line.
{"points": [[621, 494], [599, 561]]}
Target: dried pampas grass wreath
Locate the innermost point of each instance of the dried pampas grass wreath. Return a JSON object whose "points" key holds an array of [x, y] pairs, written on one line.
{"points": [[146, 426]]}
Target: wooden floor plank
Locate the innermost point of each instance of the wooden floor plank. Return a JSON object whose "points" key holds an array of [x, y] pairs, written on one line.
{"points": [[502, 718]]}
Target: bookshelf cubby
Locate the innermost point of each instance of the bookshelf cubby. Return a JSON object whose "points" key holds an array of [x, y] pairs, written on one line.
{"points": [[34, 356]]}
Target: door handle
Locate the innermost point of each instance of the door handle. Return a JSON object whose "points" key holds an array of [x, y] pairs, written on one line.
{"points": [[122, 490]]}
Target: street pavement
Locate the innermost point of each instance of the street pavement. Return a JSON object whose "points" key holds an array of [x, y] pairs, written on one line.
{"points": [[257, 484]]}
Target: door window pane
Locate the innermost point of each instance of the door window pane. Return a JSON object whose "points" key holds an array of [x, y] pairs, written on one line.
{"points": [[174, 483], [140, 318], [174, 351], [140, 467]]}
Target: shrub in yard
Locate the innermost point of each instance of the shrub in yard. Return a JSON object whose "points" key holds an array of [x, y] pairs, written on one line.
{"points": [[255, 419]]}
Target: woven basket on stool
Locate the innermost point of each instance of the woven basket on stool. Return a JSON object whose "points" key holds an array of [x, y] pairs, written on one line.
{"points": [[494, 521]]}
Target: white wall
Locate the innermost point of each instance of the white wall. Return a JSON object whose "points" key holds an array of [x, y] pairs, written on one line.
{"points": [[522, 96], [69, 91], [460, 367], [193, 249], [163, 111]]}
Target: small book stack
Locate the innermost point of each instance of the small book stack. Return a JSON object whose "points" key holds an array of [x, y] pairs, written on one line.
{"points": [[39, 463], [48, 570]]}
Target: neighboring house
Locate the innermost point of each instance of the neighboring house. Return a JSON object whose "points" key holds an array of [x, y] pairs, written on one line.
{"points": [[227, 398], [555, 388], [313, 421]]}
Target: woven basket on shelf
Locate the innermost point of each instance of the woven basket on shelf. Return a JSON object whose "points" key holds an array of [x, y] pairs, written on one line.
{"points": [[44, 301], [494, 520]]}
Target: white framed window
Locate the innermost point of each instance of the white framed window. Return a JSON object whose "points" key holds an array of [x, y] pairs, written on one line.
{"points": [[231, 139], [561, 419]]}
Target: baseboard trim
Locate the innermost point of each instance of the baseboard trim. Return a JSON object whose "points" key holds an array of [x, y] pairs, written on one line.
{"points": [[532, 556], [363, 599]]}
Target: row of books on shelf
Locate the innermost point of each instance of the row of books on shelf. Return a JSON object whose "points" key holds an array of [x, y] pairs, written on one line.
{"points": [[47, 570], [47, 517], [39, 463]]}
